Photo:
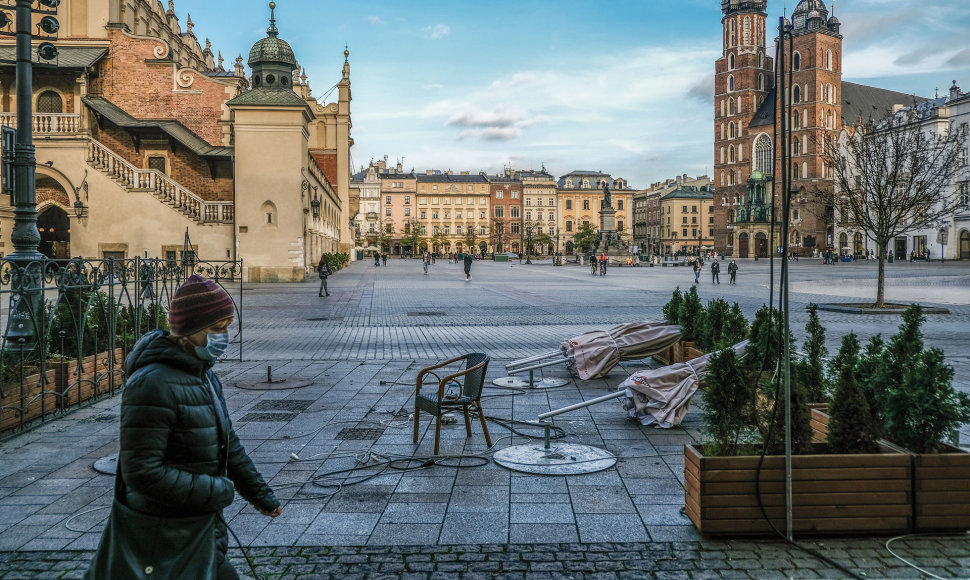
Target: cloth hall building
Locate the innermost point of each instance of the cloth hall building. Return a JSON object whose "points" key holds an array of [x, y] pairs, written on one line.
{"points": [[144, 135]]}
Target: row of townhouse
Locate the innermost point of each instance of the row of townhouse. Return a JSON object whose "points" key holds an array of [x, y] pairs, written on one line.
{"points": [[674, 216], [406, 212]]}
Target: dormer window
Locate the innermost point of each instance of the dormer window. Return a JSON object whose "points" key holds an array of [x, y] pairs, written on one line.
{"points": [[256, 80]]}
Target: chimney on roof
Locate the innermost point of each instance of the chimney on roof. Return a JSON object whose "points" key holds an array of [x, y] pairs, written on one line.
{"points": [[954, 91]]}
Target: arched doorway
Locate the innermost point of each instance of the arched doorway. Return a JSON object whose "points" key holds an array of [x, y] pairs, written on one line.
{"points": [[964, 245], [743, 245], [54, 226], [761, 245]]}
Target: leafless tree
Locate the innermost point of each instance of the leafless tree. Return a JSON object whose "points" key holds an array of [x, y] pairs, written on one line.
{"points": [[895, 176]]}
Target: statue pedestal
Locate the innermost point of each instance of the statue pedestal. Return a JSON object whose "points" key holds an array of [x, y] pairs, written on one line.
{"points": [[607, 220]]}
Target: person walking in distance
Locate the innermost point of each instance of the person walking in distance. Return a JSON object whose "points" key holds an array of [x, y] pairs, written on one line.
{"points": [[697, 271], [323, 269], [180, 462], [426, 260], [384, 259], [732, 271], [468, 267], [715, 272], [603, 260]]}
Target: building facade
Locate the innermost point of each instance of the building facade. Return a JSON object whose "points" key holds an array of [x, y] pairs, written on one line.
{"points": [[687, 214], [647, 223], [580, 198], [143, 137]]}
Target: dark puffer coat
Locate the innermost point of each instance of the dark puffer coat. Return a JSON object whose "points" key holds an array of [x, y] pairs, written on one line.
{"points": [[179, 454]]}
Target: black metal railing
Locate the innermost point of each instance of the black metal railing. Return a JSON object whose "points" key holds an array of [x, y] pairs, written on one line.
{"points": [[64, 340]]}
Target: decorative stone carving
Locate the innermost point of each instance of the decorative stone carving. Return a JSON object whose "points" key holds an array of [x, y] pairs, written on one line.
{"points": [[162, 50]]}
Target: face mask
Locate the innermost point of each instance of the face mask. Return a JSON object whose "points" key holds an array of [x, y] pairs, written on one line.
{"points": [[215, 346]]}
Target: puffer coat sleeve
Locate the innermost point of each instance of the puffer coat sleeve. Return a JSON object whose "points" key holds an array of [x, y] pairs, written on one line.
{"points": [[242, 471], [170, 445]]}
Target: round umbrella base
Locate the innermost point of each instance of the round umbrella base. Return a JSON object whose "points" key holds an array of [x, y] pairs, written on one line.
{"points": [[517, 383], [277, 385], [107, 465], [559, 459]]}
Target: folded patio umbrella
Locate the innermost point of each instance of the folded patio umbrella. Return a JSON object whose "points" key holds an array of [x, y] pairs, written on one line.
{"points": [[662, 396], [592, 355]]}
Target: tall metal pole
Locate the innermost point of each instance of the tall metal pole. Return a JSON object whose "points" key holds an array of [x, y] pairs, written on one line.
{"points": [[26, 274], [25, 236], [784, 84]]}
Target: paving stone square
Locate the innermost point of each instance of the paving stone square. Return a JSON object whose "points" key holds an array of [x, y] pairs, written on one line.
{"points": [[360, 350]]}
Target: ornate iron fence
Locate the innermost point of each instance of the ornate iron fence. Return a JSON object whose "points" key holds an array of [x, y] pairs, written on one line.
{"points": [[68, 324]]}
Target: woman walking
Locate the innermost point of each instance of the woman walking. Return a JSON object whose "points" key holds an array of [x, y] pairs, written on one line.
{"points": [[180, 462]]}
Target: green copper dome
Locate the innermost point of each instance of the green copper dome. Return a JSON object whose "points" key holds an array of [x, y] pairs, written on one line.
{"points": [[272, 49]]}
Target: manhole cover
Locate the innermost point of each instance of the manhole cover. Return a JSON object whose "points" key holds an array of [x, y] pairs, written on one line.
{"points": [[283, 405], [267, 417], [355, 434], [423, 313]]}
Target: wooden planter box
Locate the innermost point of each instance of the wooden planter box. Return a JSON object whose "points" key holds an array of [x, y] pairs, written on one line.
{"points": [[941, 498], [679, 352], [66, 384], [819, 421], [832, 494]]}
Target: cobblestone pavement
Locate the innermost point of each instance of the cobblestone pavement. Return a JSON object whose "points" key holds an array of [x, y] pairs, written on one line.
{"points": [[347, 365]]}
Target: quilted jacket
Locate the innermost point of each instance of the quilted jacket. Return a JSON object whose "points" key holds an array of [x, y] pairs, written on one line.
{"points": [[179, 454]]}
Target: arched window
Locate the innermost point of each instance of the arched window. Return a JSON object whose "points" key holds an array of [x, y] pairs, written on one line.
{"points": [[796, 94], [761, 82], [828, 60], [731, 61], [730, 106], [49, 102], [795, 120], [731, 154], [825, 93], [796, 62], [731, 83], [762, 154], [722, 178], [731, 133]]}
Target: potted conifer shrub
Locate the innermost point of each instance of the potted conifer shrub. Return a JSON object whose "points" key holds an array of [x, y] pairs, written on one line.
{"points": [[735, 487]]}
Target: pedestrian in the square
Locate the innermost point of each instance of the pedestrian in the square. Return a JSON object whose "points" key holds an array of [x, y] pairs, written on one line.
{"points": [[180, 462], [715, 273], [603, 264], [384, 258], [377, 259], [697, 271], [732, 271], [323, 270], [468, 267], [426, 260]]}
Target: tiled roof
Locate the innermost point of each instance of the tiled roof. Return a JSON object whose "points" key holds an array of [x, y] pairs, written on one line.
{"points": [[865, 101], [445, 177], [689, 194], [173, 129], [67, 56], [269, 97]]}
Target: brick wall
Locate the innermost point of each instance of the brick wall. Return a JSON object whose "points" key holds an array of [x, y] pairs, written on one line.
{"points": [[146, 89], [184, 167]]}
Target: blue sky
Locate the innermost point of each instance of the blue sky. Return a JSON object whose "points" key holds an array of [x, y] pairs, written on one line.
{"points": [[619, 86]]}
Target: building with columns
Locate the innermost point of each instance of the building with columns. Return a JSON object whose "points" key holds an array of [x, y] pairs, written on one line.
{"points": [[143, 135]]}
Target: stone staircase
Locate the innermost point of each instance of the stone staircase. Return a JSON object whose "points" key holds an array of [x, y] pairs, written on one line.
{"points": [[165, 189]]}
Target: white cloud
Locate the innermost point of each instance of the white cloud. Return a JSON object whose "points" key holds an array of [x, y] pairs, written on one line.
{"points": [[438, 31], [374, 20]]}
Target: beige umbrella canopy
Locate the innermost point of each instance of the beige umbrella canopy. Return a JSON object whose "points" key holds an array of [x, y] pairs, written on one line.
{"points": [[592, 355], [662, 396]]}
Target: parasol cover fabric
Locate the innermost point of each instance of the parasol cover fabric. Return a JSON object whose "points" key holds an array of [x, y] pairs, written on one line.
{"points": [[662, 396], [592, 355]]}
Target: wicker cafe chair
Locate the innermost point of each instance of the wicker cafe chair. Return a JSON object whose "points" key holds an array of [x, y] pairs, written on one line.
{"points": [[459, 390]]}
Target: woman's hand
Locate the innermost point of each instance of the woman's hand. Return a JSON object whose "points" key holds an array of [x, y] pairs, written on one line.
{"points": [[272, 513]]}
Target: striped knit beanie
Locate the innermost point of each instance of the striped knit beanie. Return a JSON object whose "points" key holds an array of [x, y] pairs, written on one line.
{"points": [[198, 304]]}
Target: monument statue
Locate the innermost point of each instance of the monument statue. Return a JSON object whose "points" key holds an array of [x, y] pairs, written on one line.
{"points": [[607, 198]]}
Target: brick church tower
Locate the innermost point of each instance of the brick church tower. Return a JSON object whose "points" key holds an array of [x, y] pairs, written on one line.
{"points": [[745, 158], [816, 96], [742, 83]]}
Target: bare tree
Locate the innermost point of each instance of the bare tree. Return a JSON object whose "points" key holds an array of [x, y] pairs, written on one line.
{"points": [[895, 176]]}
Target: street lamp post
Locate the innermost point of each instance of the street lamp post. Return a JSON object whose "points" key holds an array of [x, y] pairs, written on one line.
{"points": [[25, 301]]}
